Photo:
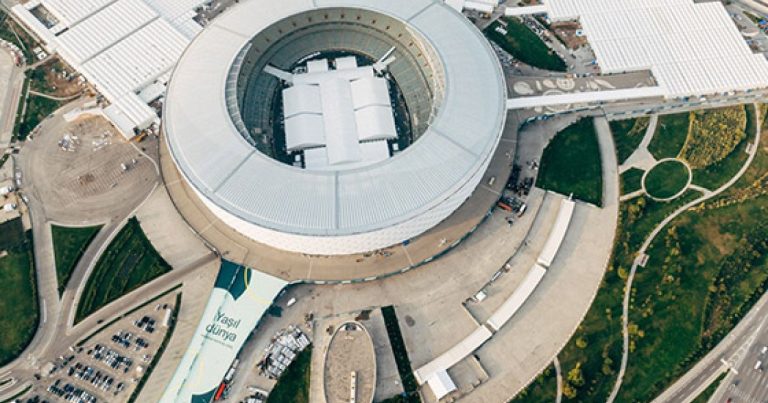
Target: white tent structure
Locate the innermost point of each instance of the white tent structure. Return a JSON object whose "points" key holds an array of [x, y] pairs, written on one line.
{"points": [[331, 113], [123, 47]]}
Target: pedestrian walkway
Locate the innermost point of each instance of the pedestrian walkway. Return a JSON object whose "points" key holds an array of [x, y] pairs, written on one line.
{"points": [[168, 232], [642, 158]]}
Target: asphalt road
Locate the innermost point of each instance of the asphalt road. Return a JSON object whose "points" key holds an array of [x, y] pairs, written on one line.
{"points": [[748, 384], [736, 350]]}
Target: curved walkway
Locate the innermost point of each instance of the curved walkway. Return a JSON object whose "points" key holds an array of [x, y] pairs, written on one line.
{"points": [[682, 190], [649, 240], [559, 374], [642, 158], [55, 98]]}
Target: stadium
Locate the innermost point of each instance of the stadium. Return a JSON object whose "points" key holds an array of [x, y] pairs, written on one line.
{"points": [[335, 127]]}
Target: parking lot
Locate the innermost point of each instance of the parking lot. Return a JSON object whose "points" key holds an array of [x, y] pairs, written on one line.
{"points": [[109, 366]]}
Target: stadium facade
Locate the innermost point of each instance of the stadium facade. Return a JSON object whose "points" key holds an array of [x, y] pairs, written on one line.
{"points": [[335, 127]]}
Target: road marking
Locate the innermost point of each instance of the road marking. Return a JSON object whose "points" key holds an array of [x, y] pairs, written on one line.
{"points": [[45, 314]]}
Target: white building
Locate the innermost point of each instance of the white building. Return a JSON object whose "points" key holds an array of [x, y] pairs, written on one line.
{"points": [[217, 114], [125, 48]]}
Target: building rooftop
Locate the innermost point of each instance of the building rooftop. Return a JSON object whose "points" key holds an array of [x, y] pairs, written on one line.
{"points": [[231, 174]]}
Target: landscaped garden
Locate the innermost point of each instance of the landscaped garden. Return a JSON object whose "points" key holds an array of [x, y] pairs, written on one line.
{"points": [[667, 179], [671, 132], [627, 135], [18, 287], [631, 180], [571, 164], [129, 262], [512, 35], [704, 271], [69, 244]]}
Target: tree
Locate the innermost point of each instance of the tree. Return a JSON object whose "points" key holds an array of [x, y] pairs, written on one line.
{"points": [[575, 376]]}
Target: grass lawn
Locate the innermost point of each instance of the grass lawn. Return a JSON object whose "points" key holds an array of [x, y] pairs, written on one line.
{"points": [[704, 273], [666, 179], [17, 286], [129, 262], [69, 244], [524, 45], [38, 108], [571, 164], [293, 386], [670, 135], [717, 174], [596, 345], [11, 234], [631, 180], [627, 135]]}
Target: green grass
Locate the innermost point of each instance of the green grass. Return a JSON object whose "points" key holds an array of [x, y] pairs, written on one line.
{"points": [[11, 234], [716, 175], [69, 244], [17, 286], [670, 136], [627, 135], [631, 180], [524, 45], [701, 277], [38, 108], [129, 262], [667, 179], [11, 32], [293, 385], [601, 328], [571, 164], [710, 390], [401, 354], [704, 273]]}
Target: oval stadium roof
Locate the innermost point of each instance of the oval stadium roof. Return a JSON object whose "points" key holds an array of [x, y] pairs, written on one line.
{"points": [[234, 176]]}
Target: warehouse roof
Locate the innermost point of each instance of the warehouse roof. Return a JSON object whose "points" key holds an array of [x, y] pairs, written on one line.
{"points": [[121, 46], [692, 49], [220, 164]]}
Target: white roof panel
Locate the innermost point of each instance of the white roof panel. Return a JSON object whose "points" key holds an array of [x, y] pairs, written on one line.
{"points": [[442, 162], [70, 12], [304, 131], [302, 99], [138, 60], [441, 384], [691, 48], [455, 354], [557, 235], [104, 28], [375, 123], [370, 91], [515, 301]]}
